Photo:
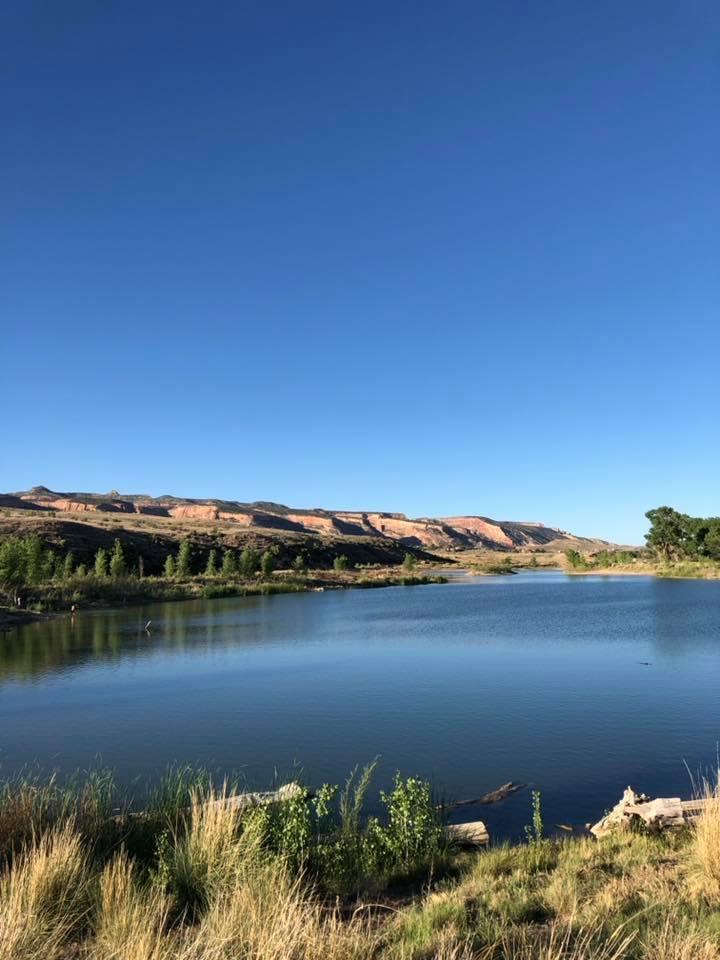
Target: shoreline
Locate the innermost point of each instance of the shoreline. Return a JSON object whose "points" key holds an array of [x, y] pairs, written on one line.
{"points": [[13, 617]]}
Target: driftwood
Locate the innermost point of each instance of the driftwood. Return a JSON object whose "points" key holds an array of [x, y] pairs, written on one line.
{"points": [[473, 834], [660, 814], [241, 801], [238, 801], [495, 796]]}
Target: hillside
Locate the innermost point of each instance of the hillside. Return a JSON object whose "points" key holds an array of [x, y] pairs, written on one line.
{"points": [[84, 521]]}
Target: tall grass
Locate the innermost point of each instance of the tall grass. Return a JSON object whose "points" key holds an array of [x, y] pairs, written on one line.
{"points": [[292, 882], [44, 897], [705, 853], [131, 917]]}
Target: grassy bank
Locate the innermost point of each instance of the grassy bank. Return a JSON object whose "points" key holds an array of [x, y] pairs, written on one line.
{"points": [[91, 591], [312, 879], [640, 563]]}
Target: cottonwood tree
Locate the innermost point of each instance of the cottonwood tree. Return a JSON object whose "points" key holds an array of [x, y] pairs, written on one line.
{"points": [[267, 563], [102, 563], [184, 560], [118, 566], [249, 562], [229, 565], [211, 568]]}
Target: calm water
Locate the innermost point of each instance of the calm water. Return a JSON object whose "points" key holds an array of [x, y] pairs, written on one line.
{"points": [[533, 678]]}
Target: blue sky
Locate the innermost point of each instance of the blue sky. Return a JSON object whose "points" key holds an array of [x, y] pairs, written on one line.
{"points": [[437, 258]]}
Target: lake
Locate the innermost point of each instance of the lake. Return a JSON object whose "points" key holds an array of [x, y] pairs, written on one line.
{"points": [[538, 677]]}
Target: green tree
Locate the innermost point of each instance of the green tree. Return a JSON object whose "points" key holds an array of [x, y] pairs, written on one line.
{"points": [[575, 559], [668, 533], [81, 570], [169, 566], [712, 541], [184, 560], [267, 563], [211, 567], [68, 565], [341, 563], [299, 564], [118, 566], [409, 562], [249, 562], [35, 559], [229, 565], [102, 563], [13, 565]]}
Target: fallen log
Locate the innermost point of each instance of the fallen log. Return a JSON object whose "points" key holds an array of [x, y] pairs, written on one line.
{"points": [[495, 796], [473, 834], [237, 801], [241, 801]]}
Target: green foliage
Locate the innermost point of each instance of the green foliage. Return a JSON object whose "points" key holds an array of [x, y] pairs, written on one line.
{"points": [[211, 567], [414, 833], [299, 564], [102, 563], [118, 566], [341, 563], [215, 591], [249, 562], [536, 830], [267, 563], [575, 560], [409, 562], [677, 536], [13, 564], [229, 565], [36, 560], [184, 560], [169, 566], [68, 565], [668, 533]]}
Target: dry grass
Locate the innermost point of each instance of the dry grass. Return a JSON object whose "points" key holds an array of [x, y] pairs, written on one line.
{"points": [[44, 897], [268, 915], [562, 943], [131, 919], [210, 890], [705, 852]]}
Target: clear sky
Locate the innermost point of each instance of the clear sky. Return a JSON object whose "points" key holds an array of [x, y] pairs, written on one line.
{"points": [[458, 257]]}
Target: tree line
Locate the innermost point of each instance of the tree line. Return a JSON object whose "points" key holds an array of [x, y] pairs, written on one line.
{"points": [[678, 536], [26, 562]]}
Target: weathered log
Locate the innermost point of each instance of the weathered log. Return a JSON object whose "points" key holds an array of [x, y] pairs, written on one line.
{"points": [[495, 796], [473, 834], [660, 814], [241, 801]]}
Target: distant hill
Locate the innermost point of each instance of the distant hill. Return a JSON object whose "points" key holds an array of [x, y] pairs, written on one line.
{"points": [[424, 533]]}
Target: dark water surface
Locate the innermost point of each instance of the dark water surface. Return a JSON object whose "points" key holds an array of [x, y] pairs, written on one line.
{"points": [[535, 678]]}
